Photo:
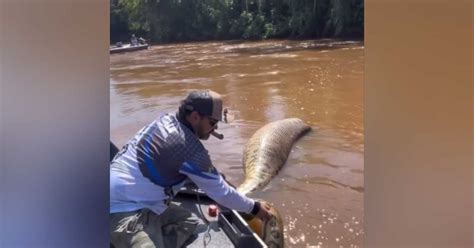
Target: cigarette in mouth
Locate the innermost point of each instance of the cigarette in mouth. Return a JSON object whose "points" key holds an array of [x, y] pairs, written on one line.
{"points": [[217, 135]]}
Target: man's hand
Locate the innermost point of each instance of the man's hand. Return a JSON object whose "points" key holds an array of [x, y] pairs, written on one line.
{"points": [[264, 212]]}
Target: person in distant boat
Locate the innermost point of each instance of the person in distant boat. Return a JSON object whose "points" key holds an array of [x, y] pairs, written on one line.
{"points": [[149, 170], [133, 40], [141, 41]]}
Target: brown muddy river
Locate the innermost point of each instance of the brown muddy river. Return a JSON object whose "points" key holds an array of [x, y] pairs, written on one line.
{"points": [[320, 190]]}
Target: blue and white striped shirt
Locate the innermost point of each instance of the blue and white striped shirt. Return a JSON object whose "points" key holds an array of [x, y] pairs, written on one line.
{"points": [[164, 154]]}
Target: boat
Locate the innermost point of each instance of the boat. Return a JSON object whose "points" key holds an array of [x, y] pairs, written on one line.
{"points": [[228, 228], [127, 48], [224, 227]]}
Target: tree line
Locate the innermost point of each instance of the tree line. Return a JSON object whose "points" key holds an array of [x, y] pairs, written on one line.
{"points": [[161, 21]]}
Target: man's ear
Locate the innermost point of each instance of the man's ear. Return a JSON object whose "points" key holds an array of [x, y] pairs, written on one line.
{"points": [[194, 117]]}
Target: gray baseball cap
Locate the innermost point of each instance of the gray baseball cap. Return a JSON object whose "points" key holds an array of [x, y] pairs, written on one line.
{"points": [[205, 102]]}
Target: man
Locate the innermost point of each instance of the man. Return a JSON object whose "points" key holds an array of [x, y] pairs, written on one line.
{"points": [[133, 40], [141, 41], [150, 168]]}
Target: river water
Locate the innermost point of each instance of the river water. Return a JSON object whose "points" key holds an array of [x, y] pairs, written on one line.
{"points": [[320, 190]]}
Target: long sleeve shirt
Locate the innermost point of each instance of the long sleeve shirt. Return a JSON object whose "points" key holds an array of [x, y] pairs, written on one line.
{"points": [[163, 155]]}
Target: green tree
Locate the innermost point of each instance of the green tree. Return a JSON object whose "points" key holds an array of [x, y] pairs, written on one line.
{"points": [[192, 20]]}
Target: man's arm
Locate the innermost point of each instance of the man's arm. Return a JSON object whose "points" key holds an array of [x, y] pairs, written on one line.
{"points": [[218, 189]]}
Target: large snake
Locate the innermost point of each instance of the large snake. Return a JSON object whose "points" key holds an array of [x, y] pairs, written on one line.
{"points": [[267, 151], [264, 155]]}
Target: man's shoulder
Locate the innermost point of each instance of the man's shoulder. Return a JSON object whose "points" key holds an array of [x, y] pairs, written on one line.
{"points": [[167, 118], [169, 126], [177, 133]]}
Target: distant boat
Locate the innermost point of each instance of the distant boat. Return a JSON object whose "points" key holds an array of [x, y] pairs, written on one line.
{"points": [[127, 48]]}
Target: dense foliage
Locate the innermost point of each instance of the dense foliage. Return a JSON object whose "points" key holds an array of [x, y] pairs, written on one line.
{"points": [[195, 20]]}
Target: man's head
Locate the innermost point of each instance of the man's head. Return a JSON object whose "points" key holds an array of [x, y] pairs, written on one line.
{"points": [[203, 110]]}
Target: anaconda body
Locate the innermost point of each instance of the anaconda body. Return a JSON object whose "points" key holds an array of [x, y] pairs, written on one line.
{"points": [[267, 151]]}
